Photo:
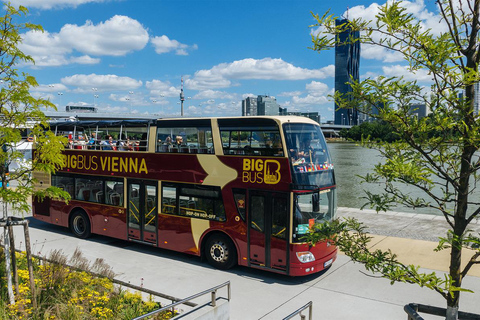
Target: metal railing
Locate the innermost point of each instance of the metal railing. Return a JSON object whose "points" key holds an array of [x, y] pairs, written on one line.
{"points": [[213, 292], [299, 312], [412, 310]]}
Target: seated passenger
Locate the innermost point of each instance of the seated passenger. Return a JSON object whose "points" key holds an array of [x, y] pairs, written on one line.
{"points": [[108, 143], [179, 141]]}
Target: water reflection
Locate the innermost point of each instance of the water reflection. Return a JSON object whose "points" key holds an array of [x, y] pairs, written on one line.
{"points": [[350, 161]]}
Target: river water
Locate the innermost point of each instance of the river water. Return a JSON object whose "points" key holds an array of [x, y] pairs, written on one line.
{"points": [[351, 160]]}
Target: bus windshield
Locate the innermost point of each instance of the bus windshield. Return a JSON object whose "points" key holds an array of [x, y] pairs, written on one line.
{"points": [[311, 208], [311, 165]]}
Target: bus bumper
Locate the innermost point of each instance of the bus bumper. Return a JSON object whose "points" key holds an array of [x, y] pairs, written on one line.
{"points": [[302, 269]]}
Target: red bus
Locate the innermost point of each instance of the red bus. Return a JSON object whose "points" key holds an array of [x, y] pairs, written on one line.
{"points": [[239, 190]]}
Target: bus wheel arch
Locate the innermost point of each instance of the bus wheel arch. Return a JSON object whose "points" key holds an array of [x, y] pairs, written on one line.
{"points": [[219, 250], [80, 224]]}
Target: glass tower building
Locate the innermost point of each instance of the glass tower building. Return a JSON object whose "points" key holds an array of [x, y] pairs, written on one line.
{"points": [[347, 62]]}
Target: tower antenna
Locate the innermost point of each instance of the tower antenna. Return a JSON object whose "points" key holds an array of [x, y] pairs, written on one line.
{"points": [[182, 98]]}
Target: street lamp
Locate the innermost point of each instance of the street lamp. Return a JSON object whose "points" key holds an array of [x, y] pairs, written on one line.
{"points": [[94, 94], [60, 94]]}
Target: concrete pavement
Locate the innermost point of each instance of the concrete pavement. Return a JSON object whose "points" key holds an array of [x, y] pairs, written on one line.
{"points": [[345, 291]]}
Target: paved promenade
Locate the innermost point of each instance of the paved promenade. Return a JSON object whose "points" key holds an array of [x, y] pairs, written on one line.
{"points": [[413, 237], [344, 291]]}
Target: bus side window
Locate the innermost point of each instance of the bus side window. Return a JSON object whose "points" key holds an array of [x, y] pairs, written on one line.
{"points": [[169, 199]]}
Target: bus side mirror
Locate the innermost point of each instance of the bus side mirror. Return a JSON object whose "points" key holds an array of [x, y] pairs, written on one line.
{"points": [[315, 202]]}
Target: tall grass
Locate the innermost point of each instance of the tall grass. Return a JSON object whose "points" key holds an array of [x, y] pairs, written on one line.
{"points": [[64, 292]]}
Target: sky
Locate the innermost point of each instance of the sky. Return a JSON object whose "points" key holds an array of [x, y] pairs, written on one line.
{"points": [[129, 56]]}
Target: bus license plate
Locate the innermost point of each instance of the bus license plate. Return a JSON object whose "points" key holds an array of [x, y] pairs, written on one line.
{"points": [[327, 263]]}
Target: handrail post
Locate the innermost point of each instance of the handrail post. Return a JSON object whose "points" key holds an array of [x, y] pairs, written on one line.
{"points": [[310, 311], [229, 292], [214, 298]]}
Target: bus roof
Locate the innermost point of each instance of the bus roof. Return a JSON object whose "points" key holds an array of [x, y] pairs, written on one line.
{"points": [[65, 125], [101, 123]]}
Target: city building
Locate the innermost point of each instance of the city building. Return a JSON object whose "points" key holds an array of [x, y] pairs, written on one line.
{"points": [[476, 101], [249, 106], [312, 115], [267, 106], [347, 62], [419, 110]]}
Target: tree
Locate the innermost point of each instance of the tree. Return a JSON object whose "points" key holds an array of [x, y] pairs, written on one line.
{"points": [[19, 110], [443, 167]]}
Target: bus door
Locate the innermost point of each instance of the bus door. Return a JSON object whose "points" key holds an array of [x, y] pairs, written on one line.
{"points": [[142, 211], [268, 230]]}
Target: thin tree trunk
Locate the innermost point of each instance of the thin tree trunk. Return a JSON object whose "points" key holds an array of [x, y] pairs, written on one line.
{"points": [[30, 264], [14, 259], [8, 270]]}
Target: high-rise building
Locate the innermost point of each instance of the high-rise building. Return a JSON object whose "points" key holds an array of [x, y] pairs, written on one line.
{"points": [[476, 101], [347, 62], [267, 106], [249, 106], [419, 110]]}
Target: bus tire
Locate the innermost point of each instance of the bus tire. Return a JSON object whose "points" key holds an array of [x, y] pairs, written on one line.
{"points": [[220, 252], [80, 224]]}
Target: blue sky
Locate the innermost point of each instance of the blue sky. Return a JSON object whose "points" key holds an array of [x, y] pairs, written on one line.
{"points": [[129, 56]]}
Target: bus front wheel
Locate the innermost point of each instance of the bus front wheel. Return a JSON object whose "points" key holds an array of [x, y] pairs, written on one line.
{"points": [[80, 225], [220, 252]]}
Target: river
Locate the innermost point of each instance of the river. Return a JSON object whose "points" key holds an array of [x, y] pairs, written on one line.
{"points": [[351, 160]]}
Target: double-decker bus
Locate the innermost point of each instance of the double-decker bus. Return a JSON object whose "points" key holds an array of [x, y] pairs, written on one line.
{"points": [[241, 190]]}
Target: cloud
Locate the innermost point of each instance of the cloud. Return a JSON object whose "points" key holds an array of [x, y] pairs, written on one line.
{"points": [[399, 71], [117, 36], [212, 94], [50, 4], [316, 88], [220, 76], [158, 88], [290, 93], [53, 87], [163, 44], [109, 82], [309, 100]]}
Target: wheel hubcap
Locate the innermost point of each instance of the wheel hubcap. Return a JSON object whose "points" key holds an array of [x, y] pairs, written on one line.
{"points": [[79, 225], [219, 252]]}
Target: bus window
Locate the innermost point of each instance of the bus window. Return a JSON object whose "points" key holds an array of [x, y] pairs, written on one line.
{"points": [[194, 201], [169, 199], [185, 140], [65, 183], [279, 218], [311, 208], [251, 138], [257, 219], [114, 193]]}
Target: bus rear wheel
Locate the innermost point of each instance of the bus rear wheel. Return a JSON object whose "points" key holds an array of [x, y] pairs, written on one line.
{"points": [[80, 225], [220, 252]]}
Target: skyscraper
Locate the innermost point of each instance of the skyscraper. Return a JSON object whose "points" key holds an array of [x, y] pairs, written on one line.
{"points": [[347, 61], [267, 106], [249, 106]]}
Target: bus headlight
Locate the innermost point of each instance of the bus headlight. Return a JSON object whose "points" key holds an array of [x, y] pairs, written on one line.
{"points": [[305, 256]]}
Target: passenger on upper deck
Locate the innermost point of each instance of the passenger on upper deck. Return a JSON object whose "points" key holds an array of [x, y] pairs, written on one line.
{"points": [[121, 144], [179, 141], [108, 143]]}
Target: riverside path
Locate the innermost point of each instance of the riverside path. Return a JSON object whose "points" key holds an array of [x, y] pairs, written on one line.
{"points": [[345, 291]]}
